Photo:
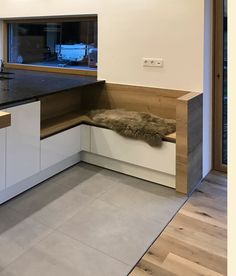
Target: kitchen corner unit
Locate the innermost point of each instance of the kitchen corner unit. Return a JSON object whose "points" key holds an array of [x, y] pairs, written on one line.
{"points": [[26, 159]]}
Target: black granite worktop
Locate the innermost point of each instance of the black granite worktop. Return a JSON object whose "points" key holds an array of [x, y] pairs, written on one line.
{"points": [[30, 85]]}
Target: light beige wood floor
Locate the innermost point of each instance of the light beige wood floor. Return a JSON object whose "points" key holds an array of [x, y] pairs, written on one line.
{"points": [[195, 242]]}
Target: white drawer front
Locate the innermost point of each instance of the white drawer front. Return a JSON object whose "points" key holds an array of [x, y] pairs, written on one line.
{"points": [[59, 147], [110, 144], [23, 143], [85, 137]]}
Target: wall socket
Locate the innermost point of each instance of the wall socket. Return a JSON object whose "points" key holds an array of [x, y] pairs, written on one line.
{"points": [[153, 62]]}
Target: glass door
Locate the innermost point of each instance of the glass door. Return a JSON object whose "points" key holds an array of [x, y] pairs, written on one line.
{"points": [[220, 87]]}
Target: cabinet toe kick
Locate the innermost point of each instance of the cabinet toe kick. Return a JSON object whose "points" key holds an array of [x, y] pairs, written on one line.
{"points": [[5, 119]]}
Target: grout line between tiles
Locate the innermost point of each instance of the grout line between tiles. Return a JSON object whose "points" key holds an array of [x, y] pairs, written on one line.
{"points": [[98, 250], [148, 246], [26, 250], [93, 199], [45, 224]]}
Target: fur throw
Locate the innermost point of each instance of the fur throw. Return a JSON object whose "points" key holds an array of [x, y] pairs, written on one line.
{"points": [[138, 125]]}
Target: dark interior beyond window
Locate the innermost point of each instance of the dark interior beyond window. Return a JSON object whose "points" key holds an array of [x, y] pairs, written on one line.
{"points": [[64, 44]]}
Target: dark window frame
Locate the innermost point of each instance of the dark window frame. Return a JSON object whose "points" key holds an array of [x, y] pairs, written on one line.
{"points": [[218, 65]]}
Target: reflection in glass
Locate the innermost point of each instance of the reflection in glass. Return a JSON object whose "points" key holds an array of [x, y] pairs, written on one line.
{"points": [[224, 148], [62, 44]]}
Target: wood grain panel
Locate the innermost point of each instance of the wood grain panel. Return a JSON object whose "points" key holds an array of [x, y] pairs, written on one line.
{"points": [[161, 102], [188, 142], [5, 119], [64, 110], [218, 84], [58, 124], [195, 241], [51, 69], [70, 101], [57, 105], [170, 137], [182, 266]]}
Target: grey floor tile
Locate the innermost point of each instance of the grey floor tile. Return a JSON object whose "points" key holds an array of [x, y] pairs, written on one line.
{"points": [[149, 200], [17, 234], [59, 255], [82, 171], [112, 230], [89, 180], [50, 203], [150, 187], [59, 198], [110, 212]]}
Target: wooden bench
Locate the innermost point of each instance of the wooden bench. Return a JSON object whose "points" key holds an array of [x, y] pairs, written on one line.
{"points": [[177, 164], [5, 119]]}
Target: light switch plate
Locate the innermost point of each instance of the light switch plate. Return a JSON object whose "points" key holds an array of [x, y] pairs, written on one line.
{"points": [[153, 62]]}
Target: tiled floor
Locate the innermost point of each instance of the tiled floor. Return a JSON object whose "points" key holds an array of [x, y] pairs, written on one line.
{"points": [[84, 221]]}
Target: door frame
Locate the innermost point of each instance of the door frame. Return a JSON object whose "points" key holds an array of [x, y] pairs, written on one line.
{"points": [[218, 66]]}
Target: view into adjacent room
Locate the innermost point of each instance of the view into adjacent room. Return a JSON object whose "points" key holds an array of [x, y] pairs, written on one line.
{"points": [[224, 153], [220, 116], [53, 43]]}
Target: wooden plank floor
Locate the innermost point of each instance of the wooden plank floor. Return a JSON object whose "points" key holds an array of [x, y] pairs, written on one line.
{"points": [[195, 241]]}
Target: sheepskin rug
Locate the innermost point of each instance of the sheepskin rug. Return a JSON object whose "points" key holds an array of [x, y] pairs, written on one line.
{"points": [[137, 125]]}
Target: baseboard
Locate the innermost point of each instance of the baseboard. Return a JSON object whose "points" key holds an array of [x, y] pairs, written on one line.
{"points": [[38, 178], [108, 163], [129, 169]]}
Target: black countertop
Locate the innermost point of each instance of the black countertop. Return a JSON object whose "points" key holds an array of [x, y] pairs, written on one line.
{"points": [[30, 85]]}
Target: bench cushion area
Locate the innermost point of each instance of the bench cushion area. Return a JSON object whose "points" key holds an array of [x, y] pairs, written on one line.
{"points": [[150, 132]]}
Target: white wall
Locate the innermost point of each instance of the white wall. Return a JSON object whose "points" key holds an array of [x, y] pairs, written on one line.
{"points": [[129, 30], [169, 29]]}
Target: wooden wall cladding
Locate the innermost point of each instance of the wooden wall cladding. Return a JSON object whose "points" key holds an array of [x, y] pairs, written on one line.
{"points": [[189, 132], [161, 102], [5, 119], [61, 111], [59, 104]]}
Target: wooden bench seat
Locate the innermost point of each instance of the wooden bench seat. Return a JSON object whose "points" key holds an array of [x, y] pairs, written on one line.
{"points": [[60, 123], [170, 137], [57, 124], [65, 110], [5, 119]]}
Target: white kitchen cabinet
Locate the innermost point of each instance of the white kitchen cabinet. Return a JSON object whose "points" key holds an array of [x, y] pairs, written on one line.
{"points": [[59, 147], [23, 143], [2, 159], [108, 143], [85, 133]]}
